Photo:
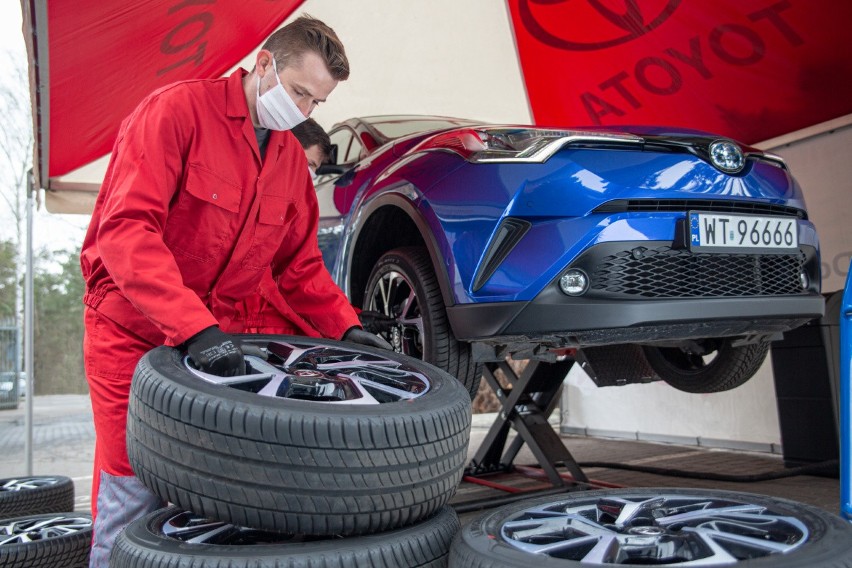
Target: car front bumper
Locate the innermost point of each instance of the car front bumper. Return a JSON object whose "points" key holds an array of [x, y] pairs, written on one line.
{"points": [[556, 320]]}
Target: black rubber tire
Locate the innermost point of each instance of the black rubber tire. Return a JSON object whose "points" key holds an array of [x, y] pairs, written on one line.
{"points": [[730, 368], [440, 347], [35, 495], [143, 544], [480, 544], [69, 550], [293, 466]]}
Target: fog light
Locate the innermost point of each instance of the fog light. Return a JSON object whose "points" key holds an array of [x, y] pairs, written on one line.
{"points": [[804, 280], [574, 282]]}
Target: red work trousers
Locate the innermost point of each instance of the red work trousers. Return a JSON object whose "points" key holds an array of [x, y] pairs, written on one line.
{"points": [[111, 353]]}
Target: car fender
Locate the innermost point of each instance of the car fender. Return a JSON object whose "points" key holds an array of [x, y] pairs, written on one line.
{"points": [[408, 199]]}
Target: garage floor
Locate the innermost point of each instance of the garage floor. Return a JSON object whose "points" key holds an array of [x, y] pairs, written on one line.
{"points": [[818, 490]]}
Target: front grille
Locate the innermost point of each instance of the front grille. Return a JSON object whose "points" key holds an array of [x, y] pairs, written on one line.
{"points": [[664, 272], [710, 205]]}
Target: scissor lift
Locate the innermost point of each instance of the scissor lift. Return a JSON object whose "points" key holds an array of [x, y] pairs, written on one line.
{"points": [[526, 404]]}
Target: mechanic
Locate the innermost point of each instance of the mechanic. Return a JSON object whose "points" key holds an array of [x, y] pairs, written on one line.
{"points": [[204, 192], [315, 142]]}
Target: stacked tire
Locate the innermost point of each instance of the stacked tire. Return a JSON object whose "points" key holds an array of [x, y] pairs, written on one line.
{"points": [[324, 450], [654, 526], [38, 527]]}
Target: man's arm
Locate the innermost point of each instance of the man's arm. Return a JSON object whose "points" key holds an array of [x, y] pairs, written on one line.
{"points": [[303, 279], [142, 182]]}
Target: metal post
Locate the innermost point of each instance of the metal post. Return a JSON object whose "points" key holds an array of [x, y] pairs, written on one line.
{"points": [[29, 336], [846, 400]]}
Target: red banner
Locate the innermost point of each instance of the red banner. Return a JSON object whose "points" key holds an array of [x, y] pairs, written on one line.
{"points": [[748, 69], [105, 56]]}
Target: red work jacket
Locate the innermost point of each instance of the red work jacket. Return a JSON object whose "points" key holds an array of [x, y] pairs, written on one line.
{"points": [[190, 217]]}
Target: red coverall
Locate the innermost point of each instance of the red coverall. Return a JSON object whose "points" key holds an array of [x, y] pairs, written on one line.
{"points": [[188, 220]]}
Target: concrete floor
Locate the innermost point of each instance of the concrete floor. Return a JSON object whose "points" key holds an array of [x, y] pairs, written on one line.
{"points": [[817, 490]]}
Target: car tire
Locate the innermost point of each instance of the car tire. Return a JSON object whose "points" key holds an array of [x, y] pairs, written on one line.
{"points": [[294, 465], [730, 367], [46, 541], [36, 495], [172, 538], [406, 270], [638, 526]]}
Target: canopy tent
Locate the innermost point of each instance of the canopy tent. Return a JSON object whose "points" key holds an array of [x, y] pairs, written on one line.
{"points": [[749, 69], [92, 61]]}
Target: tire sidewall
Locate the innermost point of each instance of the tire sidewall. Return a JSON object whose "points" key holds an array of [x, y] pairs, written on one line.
{"points": [[393, 261], [57, 497], [443, 389], [143, 544], [70, 549], [724, 372], [829, 541]]}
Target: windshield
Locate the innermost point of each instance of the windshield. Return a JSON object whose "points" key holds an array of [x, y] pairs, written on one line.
{"points": [[392, 127]]}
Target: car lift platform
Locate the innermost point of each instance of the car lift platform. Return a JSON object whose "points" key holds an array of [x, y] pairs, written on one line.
{"points": [[526, 404]]}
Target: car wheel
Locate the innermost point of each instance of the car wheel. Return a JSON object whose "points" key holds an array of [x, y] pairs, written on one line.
{"points": [[711, 366], [36, 495], [322, 438], [46, 541], [671, 527], [403, 286], [173, 537]]}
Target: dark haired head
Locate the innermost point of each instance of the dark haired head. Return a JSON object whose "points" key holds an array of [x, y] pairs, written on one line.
{"points": [[310, 133]]}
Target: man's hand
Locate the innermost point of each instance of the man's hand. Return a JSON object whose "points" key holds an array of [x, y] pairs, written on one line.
{"points": [[358, 335], [214, 351]]}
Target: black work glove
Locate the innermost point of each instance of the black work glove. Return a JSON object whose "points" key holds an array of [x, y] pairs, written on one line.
{"points": [[357, 335], [376, 322], [214, 351]]}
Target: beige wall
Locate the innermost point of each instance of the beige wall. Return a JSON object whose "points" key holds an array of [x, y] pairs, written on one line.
{"points": [[452, 58]]}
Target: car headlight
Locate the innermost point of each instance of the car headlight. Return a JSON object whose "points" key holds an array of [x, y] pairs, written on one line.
{"points": [[518, 144]]}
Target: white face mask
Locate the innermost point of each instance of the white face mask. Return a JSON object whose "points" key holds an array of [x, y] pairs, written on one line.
{"points": [[275, 109]]}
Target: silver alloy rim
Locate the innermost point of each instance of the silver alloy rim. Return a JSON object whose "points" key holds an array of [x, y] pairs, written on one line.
{"points": [[192, 529], [320, 373], [25, 483], [664, 529], [21, 531], [394, 296]]}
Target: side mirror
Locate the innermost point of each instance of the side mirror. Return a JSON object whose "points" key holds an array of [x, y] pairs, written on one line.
{"points": [[326, 169]]}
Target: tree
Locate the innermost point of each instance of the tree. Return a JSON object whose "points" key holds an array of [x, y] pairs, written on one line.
{"points": [[58, 347], [16, 142], [8, 280]]}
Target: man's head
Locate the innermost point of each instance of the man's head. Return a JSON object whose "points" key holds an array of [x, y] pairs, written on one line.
{"points": [[315, 142], [309, 59], [307, 34]]}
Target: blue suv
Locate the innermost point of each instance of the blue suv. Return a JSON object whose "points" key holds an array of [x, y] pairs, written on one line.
{"points": [[647, 253]]}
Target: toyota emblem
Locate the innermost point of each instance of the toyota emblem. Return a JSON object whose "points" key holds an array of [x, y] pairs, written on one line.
{"points": [[727, 156]]}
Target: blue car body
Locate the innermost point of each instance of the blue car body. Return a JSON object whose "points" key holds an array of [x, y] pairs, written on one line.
{"points": [[613, 204]]}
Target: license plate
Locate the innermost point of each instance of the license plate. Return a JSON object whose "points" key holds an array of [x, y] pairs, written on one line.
{"points": [[720, 232]]}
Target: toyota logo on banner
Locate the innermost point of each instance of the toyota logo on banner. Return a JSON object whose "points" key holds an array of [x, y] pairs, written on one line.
{"points": [[614, 26]]}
